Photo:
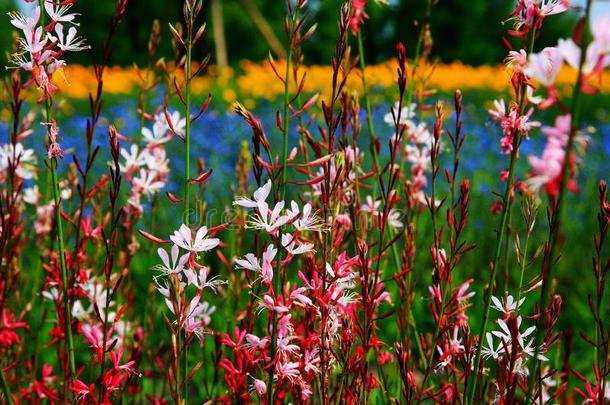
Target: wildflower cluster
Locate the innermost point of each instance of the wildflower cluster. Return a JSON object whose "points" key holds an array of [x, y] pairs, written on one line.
{"points": [[340, 271], [42, 47], [146, 167]]}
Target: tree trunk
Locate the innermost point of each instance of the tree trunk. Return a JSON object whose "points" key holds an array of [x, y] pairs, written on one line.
{"points": [[218, 28], [264, 28]]}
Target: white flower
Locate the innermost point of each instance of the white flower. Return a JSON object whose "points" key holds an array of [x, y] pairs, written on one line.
{"points": [[268, 220], [31, 195], [308, 221], [177, 123], [394, 219], [420, 134], [505, 334], [489, 350], [183, 238], [420, 159], [25, 24], [52, 294], [406, 114], [157, 160], [601, 33], [133, 158], [148, 183], [371, 206], [507, 305], [571, 53], [544, 66], [158, 135], [290, 244], [34, 42], [70, 42], [260, 196], [177, 263], [23, 158], [252, 263], [58, 12], [200, 280]]}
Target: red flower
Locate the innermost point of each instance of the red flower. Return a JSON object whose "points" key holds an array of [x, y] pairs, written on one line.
{"points": [[7, 329], [358, 15]]}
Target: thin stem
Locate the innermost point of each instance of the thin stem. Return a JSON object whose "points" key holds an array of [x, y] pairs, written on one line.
{"points": [[559, 208], [64, 272], [182, 352], [494, 268], [277, 279], [187, 133], [5, 389], [369, 113], [506, 205], [60, 241], [523, 265]]}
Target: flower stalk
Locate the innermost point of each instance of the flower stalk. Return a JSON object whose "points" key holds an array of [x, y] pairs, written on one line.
{"points": [[504, 217], [277, 276], [559, 206]]}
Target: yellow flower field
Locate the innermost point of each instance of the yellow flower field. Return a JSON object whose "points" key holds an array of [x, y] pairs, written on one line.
{"points": [[257, 81]]}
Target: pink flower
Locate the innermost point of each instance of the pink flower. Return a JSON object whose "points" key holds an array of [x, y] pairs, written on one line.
{"points": [[268, 303], [517, 61], [256, 343], [358, 15], [461, 294], [544, 66], [601, 33], [147, 182], [289, 370], [514, 123], [547, 169], [571, 53], [183, 238], [83, 391], [259, 386], [530, 13], [26, 24], [176, 265], [252, 263], [498, 112]]}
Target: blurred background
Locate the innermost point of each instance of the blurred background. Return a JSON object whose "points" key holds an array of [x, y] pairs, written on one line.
{"points": [[470, 31]]}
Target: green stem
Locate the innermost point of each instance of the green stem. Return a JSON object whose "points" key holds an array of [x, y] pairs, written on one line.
{"points": [[187, 134], [506, 204], [60, 242], [277, 279], [182, 352], [64, 272], [498, 251], [369, 113], [5, 388], [556, 223], [523, 265], [373, 148]]}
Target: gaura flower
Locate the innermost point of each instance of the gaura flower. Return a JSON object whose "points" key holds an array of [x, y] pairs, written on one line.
{"points": [[183, 237]]}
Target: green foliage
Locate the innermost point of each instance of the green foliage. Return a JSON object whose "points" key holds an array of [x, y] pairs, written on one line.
{"points": [[470, 31], [6, 29], [467, 31]]}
